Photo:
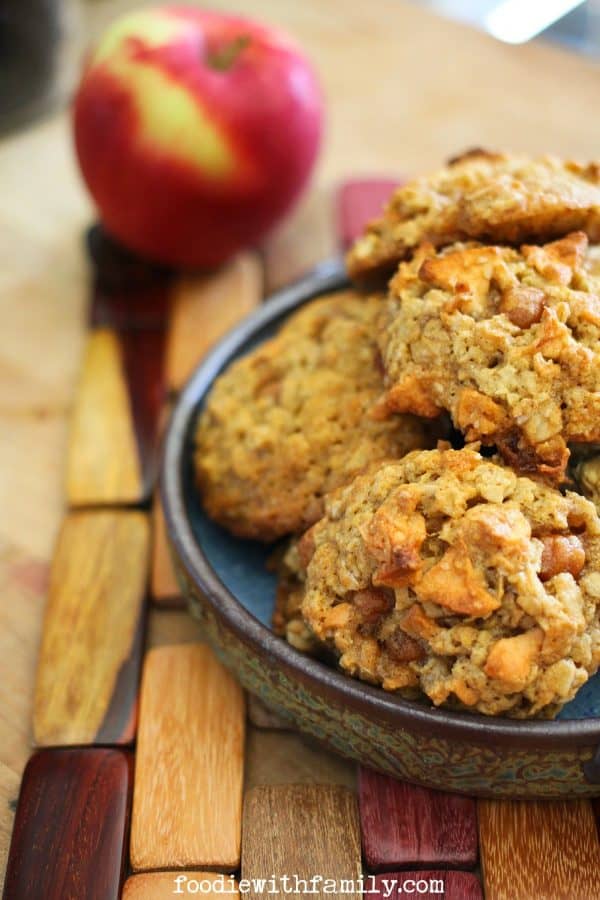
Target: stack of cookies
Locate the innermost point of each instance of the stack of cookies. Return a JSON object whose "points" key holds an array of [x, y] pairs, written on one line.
{"points": [[427, 441]]}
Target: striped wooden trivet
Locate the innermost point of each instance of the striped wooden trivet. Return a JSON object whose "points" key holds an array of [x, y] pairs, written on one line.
{"points": [[170, 792]]}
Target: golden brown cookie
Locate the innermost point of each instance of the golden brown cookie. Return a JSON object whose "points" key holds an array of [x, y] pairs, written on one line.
{"points": [[506, 340], [485, 196], [587, 476], [292, 420], [447, 573], [287, 618]]}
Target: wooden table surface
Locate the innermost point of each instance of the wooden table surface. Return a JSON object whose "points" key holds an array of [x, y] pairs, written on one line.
{"points": [[404, 91]]}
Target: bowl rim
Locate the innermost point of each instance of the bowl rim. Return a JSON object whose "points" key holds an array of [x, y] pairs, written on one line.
{"points": [[357, 696]]}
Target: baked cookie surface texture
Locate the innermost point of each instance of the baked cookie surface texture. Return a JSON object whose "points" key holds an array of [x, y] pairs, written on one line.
{"points": [[507, 340], [446, 574], [292, 420], [495, 197]]}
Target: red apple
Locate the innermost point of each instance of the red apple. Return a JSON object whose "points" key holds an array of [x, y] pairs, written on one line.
{"points": [[195, 132]]}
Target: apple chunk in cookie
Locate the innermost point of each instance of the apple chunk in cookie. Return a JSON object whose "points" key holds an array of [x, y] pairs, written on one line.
{"points": [[447, 574]]}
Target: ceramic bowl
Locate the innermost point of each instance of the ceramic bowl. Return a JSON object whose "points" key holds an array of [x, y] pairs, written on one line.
{"points": [[231, 593]]}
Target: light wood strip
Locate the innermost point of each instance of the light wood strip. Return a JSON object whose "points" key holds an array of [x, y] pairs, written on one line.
{"points": [[304, 830], [189, 762], [88, 668], [205, 308], [103, 464], [289, 757], [164, 588], [166, 885], [539, 850]]}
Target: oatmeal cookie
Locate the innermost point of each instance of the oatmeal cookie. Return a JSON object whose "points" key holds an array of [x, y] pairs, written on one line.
{"points": [[287, 618], [587, 476], [484, 196], [506, 340], [448, 573], [291, 420]]}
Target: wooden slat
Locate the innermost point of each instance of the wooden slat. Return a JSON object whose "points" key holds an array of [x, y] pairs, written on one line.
{"points": [[172, 626], [103, 464], [9, 789], [406, 825], [164, 588], [205, 308], [439, 884], [189, 762], [304, 830], [23, 590], [166, 885], [89, 660], [128, 292], [357, 202], [69, 836], [262, 717], [288, 757], [287, 257], [543, 850]]}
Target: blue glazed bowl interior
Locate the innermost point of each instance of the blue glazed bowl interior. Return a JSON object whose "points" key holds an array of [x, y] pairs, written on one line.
{"points": [[242, 565]]}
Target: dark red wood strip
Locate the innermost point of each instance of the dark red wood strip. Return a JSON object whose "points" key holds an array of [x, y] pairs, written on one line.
{"points": [[143, 365], [430, 884], [70, 826], [357, 202], [596, 808], [405, 825], [128, 292]]}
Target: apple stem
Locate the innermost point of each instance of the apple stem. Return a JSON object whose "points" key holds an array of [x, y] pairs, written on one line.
{"points": [[223, 58]]}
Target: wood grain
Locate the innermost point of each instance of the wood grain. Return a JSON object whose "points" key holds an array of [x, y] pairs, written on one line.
{"points": [[189, 762], [143, 353], [164, 588], [539, 850], [103, 464], [23, 589], [87, 677], [304, 830], [493, 94], [438, 884], [204, 308], [276, 757], [166, 885], [9, 790], [405, 825], [263, 717], [69, 836], [172, 626]]}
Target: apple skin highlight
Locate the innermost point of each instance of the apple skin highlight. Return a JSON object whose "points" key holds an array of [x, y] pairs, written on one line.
{"points": [[195, 132]]}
